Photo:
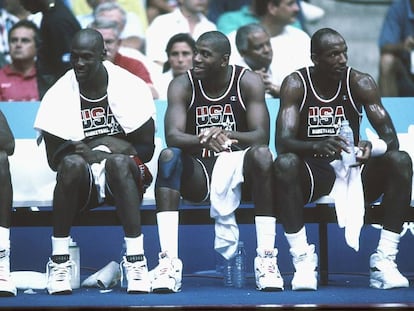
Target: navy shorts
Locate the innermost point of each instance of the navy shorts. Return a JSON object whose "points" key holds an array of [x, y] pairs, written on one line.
{"points": [[321, 176]]}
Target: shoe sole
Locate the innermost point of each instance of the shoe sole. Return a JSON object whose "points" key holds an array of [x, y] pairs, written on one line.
{"points": [[7, 294], [270, 289], [63, 292], [137, 292], [373, 283], [304, 288], [164, 290]]}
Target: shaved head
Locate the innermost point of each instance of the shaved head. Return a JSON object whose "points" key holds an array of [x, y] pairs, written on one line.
{"points": [[89, 38]]}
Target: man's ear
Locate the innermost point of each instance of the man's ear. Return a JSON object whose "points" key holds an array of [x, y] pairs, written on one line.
{"points": [[226, 58], [103, 56]]}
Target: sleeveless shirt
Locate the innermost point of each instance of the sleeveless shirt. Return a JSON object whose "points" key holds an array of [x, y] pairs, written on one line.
{"points": [[98, 119], [226, 111], [320, 117]]}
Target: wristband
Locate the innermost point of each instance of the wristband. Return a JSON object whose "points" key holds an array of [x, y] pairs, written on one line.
{"points": [[379, 147]]}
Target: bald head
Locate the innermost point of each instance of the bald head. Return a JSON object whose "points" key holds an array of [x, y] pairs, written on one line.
{"points": [[322, 37], [217, 42], [89, 39]]}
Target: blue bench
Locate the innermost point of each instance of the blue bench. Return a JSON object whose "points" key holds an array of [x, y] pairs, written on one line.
{"points": [[33, 181]]}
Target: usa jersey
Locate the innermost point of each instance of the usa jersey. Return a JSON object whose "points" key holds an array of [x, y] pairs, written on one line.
{"points": [[226, 111], [321, 117]]}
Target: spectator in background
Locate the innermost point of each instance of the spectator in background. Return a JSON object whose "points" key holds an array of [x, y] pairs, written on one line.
{"points": [[18, 80], [110, 32], [180, 52], [57, 28], [232, 20], [396, 43], [219, 7], [7, 20], [188, 17], [7, 287], [159, 7], [15, 8], [290, 45], [130, 29], [253, 44], [81, 7]]}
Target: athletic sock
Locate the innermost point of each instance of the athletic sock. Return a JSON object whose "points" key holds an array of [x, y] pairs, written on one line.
{"points": [[265, 232], [168, 232], [134, 246], [388, 242], [298, 241]]}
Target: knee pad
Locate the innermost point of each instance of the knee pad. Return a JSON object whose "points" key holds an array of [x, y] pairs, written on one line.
{"points": [[169, 172]]}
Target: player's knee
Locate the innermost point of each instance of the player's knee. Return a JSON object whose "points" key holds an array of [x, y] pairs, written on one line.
{"points": [[287, 163], [118, 165], [170, 168], [72, 167], [261, 157], [401, 162]]}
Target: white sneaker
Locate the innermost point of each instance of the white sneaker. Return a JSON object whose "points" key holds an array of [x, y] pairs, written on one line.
{"points": [[7, 288], [305, 263], [137, 275], [266, 271], [167, 276], [58, 273], [384, 273]]}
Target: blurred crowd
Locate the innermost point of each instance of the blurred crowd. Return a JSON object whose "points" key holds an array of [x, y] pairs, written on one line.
{"points": [[153, 39]]}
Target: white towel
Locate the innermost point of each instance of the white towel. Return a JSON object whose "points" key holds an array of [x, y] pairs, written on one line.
{"points": [[349, 201], [98, 173], [225, 195], [59, 112]]}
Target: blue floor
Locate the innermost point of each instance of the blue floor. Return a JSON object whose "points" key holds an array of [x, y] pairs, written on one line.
{"points": [[206, 291]]}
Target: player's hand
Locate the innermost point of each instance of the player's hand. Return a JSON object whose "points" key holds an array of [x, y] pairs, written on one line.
{"points": [[214, 138], [330, 147], [364, 152]]}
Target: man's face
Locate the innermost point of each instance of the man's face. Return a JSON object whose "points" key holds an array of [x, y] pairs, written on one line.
{"points": [[259, 52], [111, 41], [286, 12], [22, 44], [333, 58], [180, 58], [206, 61], [194, 6], [114, 15], [85, 60]]}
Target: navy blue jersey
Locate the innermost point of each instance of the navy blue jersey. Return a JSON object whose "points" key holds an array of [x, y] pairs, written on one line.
{"points": [[321, 117], [226, 111], [98, 119]]}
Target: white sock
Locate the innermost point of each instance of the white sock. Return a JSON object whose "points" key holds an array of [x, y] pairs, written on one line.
{"points": [[265, 232], [298, 241], [60, 246], [4, 238], [388, 242], [134, 246], [168, 232]]}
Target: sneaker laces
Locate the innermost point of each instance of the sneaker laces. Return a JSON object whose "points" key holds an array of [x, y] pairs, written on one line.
{"points": [[304, 261], [59, 271], [164, 267], [135, 270], [268, 265]]}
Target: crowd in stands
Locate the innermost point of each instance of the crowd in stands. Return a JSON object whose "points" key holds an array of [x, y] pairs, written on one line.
{"points": [[144, 28], [54, 49]]}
